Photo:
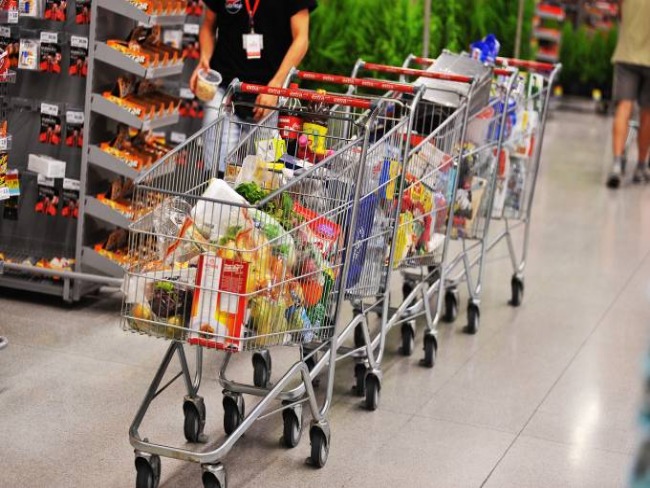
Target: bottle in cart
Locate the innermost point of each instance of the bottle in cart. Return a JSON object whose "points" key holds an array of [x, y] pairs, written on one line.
{"points": [[315, 126], [290, 123]]}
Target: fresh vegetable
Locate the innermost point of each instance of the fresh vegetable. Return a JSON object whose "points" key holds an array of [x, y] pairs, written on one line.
{"points": [[281, 242], [313, 292], [251, 191]]}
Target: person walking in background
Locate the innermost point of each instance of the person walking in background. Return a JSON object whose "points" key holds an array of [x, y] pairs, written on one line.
{"points": [[256, 41], [632, 85]]}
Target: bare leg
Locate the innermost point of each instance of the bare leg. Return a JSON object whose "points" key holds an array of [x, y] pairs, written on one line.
{"points": [[620, 131], [644, 135]]}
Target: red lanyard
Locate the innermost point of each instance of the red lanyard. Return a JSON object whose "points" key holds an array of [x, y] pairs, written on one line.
{"points": [[251, 13]]}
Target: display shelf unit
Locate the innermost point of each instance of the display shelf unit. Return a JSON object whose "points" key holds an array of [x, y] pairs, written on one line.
{"points": [[110, 56], [547, 33], [101, 113]]}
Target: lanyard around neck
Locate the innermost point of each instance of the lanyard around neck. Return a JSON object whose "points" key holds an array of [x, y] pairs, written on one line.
{"points": [[251, 13]]}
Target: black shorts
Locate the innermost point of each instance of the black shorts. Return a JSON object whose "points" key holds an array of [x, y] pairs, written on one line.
{"points": [[632, 82]]}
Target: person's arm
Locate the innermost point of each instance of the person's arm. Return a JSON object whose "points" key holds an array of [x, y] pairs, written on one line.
{"points": [[293, 57], [206, 44]]}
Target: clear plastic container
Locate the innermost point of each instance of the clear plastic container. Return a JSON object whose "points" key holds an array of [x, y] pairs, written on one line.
{"points": [[207, 84]]}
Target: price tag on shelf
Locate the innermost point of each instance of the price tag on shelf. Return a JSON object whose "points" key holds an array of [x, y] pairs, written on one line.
{"points": [[191, 29], [3, 143], [74, 117], [49, 109], [5, 31], [186, 93], [12, 17], [4, 193], [49, 37], [177, 137], [78, 41]]}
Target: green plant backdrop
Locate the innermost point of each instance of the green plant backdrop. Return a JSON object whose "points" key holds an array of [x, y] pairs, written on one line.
{"points": [[385, 31]]}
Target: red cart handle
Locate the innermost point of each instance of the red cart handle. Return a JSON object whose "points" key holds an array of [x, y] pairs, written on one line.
{"points": [[522, 63], [305, 95], [363, 82], [430, 62], [417, 72]]}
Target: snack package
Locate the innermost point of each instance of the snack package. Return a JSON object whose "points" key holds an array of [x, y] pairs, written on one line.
{"points": [[48, 197], [29, 54], [30, 8], [78, 56], [50, 53], [82, 12], [74, 122], [70, 198], [55, 10], [219, 309], [11, 45], [50, 132], [190, 43]]}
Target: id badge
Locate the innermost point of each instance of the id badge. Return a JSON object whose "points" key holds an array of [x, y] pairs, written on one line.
{"points": [[253, 44]]}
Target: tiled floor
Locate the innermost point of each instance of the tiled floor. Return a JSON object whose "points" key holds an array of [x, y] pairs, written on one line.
{"points": [[544, 396]]}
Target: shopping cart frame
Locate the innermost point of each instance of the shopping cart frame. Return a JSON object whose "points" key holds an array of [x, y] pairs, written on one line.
{"points": [[148, 453]]}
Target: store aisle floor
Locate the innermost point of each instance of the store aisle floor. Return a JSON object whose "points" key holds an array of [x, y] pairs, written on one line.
{"points": [[545, 395]]}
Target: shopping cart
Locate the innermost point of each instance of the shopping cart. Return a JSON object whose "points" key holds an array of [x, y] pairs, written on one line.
{"points": [[413, 230], [522, 155], [213, 270], [472, 201]]}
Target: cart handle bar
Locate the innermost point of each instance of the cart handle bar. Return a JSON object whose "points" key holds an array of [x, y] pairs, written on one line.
{"points": [[306, 95], [522, 63], [430, 62], [363, 82], [416, 72]]}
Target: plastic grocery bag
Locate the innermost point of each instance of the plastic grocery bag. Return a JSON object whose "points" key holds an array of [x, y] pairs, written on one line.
{"points": [[213, 219]]}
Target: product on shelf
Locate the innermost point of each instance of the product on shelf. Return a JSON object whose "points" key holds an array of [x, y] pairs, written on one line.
{"points": [[50, 53], [146, 47], [194, 8], [70, 196], [160, 7], [10, 45], [78, 56], [55, 10], [29, 54], [50, 132], [142, 98], [48, 197], [30, 8], [74, 126], [82, 12], [137, 150], [191, 48], [190, 106], [55, 263]]}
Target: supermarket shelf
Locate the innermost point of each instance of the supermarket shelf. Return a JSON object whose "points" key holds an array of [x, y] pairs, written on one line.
{"points": [[101, 105], [555, 13], [108, 55], [5, 143], [95, 208], [543, 34], [32, 284], [92, 259], [104, 160], [8, 77], [127, 9]]}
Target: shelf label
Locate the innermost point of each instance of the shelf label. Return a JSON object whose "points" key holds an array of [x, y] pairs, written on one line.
{"points": [[12, 17], [177, 137], [78, 41], [191, 29], [74, 117], [3, 143], [5, 31], [186, 93], [50, 37], [49, 109], [4, 193], [69, 184]]}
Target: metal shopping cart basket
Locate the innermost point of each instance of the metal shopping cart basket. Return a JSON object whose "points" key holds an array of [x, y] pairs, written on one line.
{"points": [[522, 151], [212, 270]]}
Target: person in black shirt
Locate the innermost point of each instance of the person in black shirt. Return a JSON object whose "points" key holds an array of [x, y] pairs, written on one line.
{"points": [[256, 41]]}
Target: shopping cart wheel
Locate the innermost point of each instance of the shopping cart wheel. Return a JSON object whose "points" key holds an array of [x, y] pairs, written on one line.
{"points": [[261, 369], [233, 412], [451, 305], [360, 379], [373, 387], [214, 476], [473, 319], [319, 446], [408, 338], [194, 412], [292, 427], [430, 350], [517, 286], [148, 471]]}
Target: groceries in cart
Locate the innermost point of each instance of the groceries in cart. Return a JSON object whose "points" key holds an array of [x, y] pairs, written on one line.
{"points": [[226, 271]]}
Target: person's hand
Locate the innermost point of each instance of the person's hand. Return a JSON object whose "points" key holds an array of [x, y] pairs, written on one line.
{"points": [[203, 65], [259, 112]]}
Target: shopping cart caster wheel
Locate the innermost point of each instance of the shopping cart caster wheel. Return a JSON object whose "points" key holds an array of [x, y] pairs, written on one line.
{"points": [[473, 319], [292, 427], [214, 476], [319, 447], [360, 379], [451, 305], [408, 339], [373, 387], [407, 289], [430, 351], [148, 471], [517, 286], [194, 412], [233, 413], [261, 369]]}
